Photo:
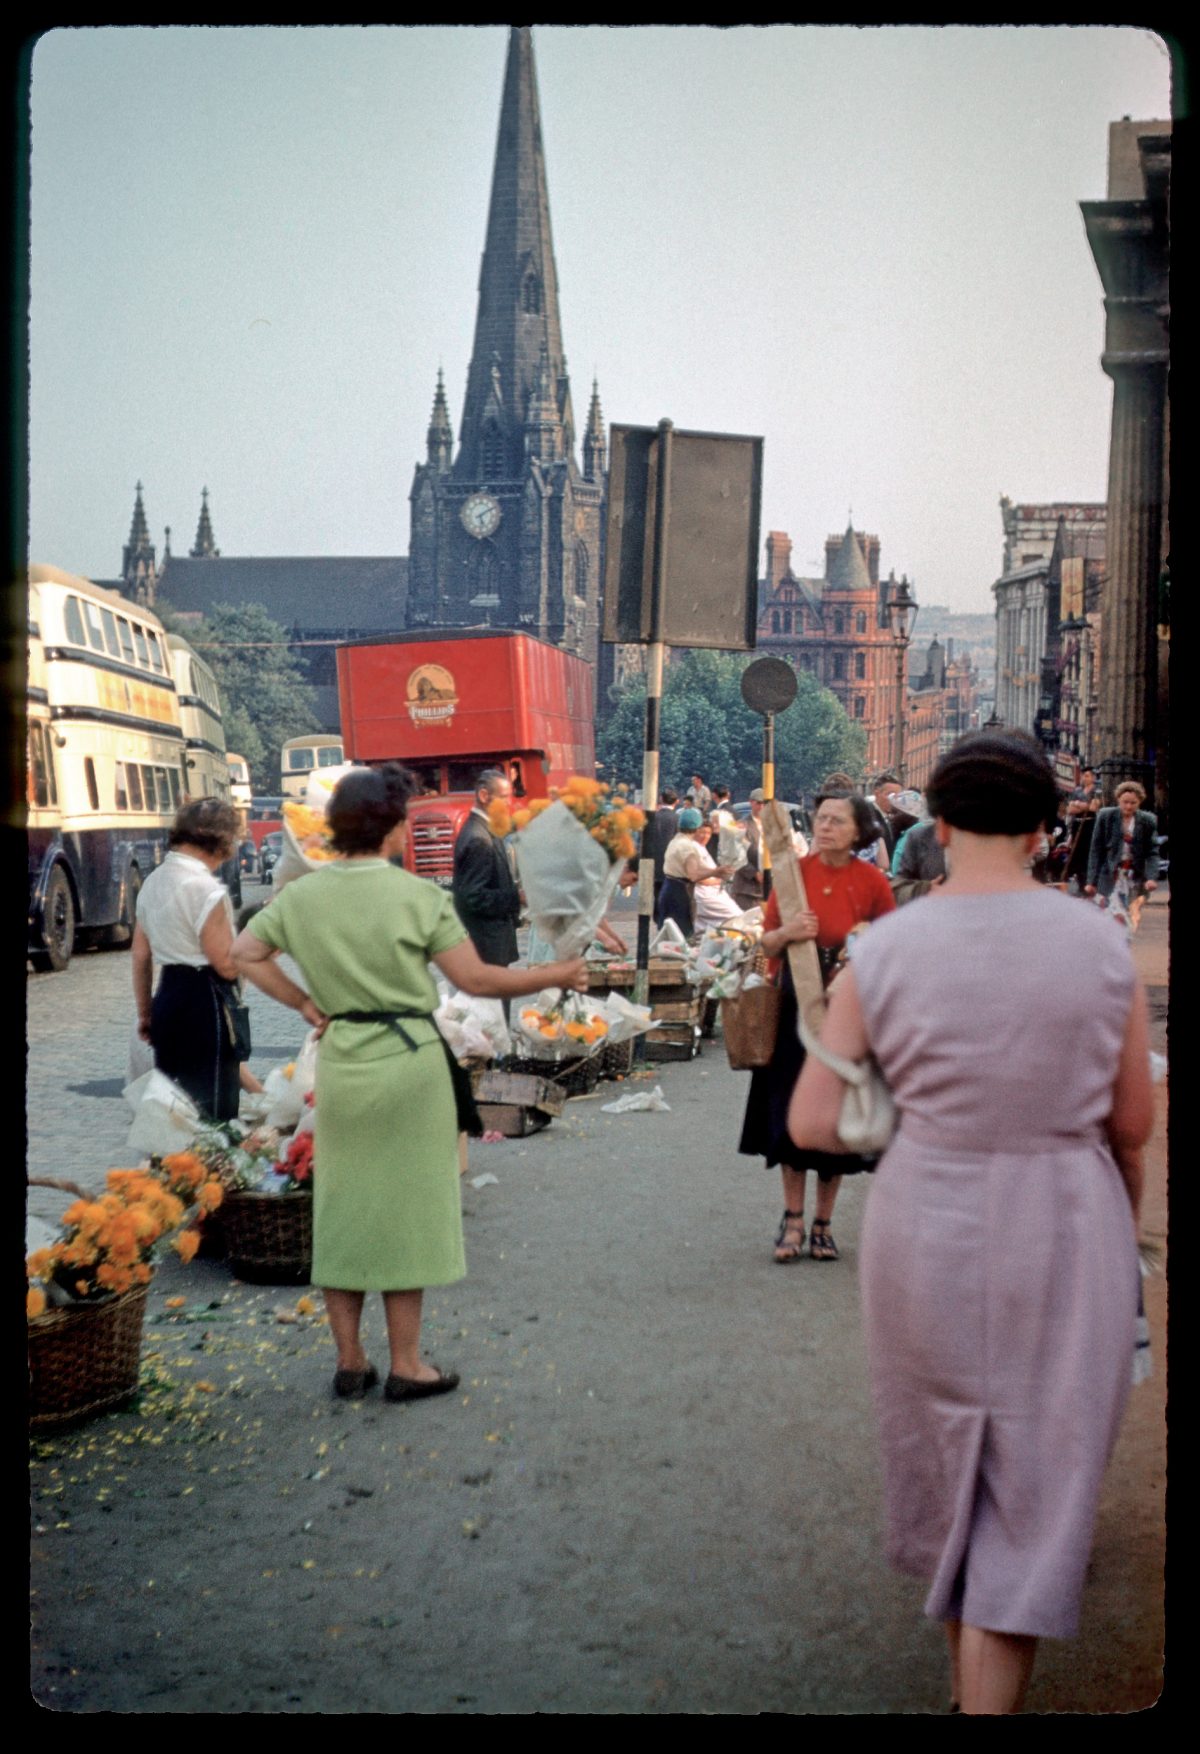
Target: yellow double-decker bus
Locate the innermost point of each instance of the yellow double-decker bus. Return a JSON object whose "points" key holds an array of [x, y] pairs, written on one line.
{"points": [[105, 761]]}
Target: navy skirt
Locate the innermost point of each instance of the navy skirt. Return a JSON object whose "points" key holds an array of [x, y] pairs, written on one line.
{"points": [[192, 1039]]}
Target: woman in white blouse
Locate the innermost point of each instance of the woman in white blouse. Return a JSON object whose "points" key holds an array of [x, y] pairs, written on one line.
{"points": [[185, 925]]}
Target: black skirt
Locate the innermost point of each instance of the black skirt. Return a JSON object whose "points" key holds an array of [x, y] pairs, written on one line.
{"points": [[191, 1037], [675, 903], [764, 1130]]}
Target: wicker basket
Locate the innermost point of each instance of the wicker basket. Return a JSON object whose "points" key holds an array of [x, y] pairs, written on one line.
{"points": [[84, 1361], [269, 1237], [577, 1076], [616, 1060]]}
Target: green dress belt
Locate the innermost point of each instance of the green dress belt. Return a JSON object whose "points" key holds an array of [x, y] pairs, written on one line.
{"points": [[469, 1119]]}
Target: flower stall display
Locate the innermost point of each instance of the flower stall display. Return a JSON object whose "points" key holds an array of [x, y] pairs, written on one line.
{"points": [[474, 1028], [267, 1213], [86, 1295], [558, 1026]]}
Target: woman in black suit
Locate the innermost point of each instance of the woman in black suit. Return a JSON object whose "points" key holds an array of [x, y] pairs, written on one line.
{"points": [[1124, 846]]}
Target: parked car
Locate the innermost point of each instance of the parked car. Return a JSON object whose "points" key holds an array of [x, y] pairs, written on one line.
{"points": [[270, 853]]}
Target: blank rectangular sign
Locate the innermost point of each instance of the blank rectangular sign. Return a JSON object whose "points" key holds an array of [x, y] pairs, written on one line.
{"points": [[710, 587]]}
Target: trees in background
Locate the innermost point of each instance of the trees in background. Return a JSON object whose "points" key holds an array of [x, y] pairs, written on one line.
{"points": [[264, 696], [707, 727]]}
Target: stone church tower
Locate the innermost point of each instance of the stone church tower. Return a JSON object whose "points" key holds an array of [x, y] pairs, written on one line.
{"points": [[507, 533]]}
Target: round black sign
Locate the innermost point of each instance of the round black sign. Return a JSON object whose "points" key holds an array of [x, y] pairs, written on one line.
{"points": [[768, 685]]}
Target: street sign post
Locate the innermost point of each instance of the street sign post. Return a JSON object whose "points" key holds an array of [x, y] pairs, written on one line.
{"points": [[681, 563], [768, 687]]}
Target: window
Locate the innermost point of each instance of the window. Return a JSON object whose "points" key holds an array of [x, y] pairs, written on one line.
{"points": [[110, 632], [860, 706], [839, 623], [38, 779], [531, 295], [89, 774], [492, 452], [839, 664], [95, 631], [787, 621], [122, 793], [74, 621], [581, 570], [139, 638], [164, 790], [134, 778], [330, 756], [300, 760], [860, 621], [173, 776], [860, 664], [156, 657], [126, 639], [775, 622]]}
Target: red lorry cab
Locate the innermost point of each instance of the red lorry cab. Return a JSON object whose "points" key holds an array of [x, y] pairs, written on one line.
{"points": [[448, 705]]}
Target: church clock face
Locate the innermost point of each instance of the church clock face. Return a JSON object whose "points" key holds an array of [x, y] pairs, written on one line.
{"points": [[480, 515]]}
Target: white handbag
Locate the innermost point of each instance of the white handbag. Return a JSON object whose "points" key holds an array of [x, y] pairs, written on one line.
{"points": [[868, 1118]]}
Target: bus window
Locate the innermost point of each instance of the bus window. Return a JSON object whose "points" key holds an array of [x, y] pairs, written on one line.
{"points": [[89, 774], [140, 640], [135, 785], [125, 637], [95, 631], [156, 657], [330, 755], [74, 621], [300, 760], [173, 776], [110, 633], [122, 794], [38, 788], [164, 790]]}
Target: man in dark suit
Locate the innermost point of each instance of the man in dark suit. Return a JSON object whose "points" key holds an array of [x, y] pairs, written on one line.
{"points": [[484, 888]]}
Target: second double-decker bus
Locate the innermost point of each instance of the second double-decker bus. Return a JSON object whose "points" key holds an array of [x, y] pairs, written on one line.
{"points": [[239, 780], [300, 755], [105, 761]]}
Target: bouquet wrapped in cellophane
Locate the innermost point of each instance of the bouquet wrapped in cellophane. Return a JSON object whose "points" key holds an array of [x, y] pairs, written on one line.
{"points": [[570, 853], [473, 1027], [561, 1026], [306, 843]]}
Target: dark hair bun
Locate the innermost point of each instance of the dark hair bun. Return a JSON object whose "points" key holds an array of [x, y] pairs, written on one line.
{"points": [[366, 805], [994, 782]]}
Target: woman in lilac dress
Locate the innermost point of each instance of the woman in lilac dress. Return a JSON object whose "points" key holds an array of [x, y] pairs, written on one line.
{"points": [[999, 1250]]}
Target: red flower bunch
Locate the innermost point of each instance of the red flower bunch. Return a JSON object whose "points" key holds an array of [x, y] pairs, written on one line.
{"points": [[298, 1160]]}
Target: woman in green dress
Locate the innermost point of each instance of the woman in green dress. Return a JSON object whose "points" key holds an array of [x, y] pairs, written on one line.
{"points": [[387, 1210]]}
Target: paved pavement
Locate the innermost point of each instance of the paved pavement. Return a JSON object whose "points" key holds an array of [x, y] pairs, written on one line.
{"points": [[656, 1492]]}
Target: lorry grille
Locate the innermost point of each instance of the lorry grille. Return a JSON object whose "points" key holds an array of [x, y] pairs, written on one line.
{"points": [[433, 847]]}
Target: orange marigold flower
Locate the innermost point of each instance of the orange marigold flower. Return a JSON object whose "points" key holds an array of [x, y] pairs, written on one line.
{"points": [[35, 1302], [186, 1244], [209, 1197], [39, 1263]]}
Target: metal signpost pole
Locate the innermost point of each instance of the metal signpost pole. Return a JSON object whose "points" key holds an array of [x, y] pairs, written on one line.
{"points": [[768, 687], [654, 686], [768, 787]]}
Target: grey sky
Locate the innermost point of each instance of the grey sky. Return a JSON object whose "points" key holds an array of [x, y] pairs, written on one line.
{"points": [[252, 248]]}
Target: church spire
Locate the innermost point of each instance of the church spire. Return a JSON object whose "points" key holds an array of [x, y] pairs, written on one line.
{"points": [[517, 317], [139, 573], [594, 446], [439, 439], [205, 546]]}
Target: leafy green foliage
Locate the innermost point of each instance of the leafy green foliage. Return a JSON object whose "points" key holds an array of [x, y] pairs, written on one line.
{"points": [[264, 697], [707, 725]]}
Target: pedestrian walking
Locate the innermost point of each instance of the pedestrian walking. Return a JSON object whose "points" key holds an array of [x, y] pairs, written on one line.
{"points": [[390, 1102], [1123, 857], [842, 893], [999, 1251], [193, 1020]]}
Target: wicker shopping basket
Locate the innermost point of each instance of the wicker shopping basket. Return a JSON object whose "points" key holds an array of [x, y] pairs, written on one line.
{"points": [[84, 1360], [750, 1022], [269, 1237]]}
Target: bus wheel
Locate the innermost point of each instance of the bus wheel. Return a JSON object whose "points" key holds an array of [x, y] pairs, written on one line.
{"points": [[58, 923]]}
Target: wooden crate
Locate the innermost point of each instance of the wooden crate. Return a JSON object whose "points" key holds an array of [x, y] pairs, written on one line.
{"points": [[516, 1103], [513, 1119], [673, 1041], [676, 1005]]}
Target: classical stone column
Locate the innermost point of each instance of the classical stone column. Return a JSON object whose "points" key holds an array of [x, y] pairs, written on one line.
{"points": [[1128, 705]]}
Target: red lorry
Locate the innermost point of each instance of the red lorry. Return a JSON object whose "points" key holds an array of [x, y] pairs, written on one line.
{"points": [[448, 705]]}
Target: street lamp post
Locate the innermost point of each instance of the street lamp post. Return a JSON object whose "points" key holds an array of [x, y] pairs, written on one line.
{"points": [[902, 613]]}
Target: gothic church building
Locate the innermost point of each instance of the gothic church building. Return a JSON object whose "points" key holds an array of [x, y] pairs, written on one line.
{"points": [[505, 533]]}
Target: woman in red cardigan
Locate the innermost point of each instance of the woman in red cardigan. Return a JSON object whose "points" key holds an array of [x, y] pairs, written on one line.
{"points": [[843, 892]]}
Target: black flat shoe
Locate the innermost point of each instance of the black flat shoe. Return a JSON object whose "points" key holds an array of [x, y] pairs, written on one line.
{"points": [[351, 1385], [406, 1388]]}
